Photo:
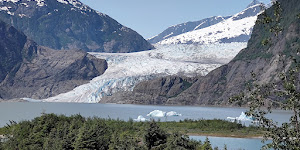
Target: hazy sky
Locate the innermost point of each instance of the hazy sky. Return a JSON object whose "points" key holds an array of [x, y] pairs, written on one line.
{"points": [[150, 17]]}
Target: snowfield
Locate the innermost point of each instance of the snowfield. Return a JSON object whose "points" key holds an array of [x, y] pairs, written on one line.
{"points": [[125, 70], [236, 26]]}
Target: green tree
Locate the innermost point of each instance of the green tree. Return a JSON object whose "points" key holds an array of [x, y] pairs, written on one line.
{"points": [[93, 135], [177, 141], [206, 145], [155, 137], [285, 96], [284, 93]]}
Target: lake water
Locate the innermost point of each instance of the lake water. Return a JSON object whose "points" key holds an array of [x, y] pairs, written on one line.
{"points": [[26, 111], [233, 143]]}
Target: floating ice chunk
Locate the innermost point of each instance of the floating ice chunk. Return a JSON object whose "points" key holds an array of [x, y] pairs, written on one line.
{"points": [[231, 118], [157, 113], [140, 118], [242, 117], [173, 113], [31, 100]]}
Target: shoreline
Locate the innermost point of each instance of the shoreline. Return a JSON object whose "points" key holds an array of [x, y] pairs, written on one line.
{"points": [[226, 135], [21, 100]]}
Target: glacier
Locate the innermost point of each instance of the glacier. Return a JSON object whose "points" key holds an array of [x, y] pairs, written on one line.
{"points": [[125, 70]]}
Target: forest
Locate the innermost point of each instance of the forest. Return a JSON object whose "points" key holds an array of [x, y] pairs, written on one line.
{"points": [[51, 131]]}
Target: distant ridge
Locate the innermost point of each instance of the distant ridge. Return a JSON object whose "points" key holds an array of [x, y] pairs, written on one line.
{"points": [[237, 28], [213, 29], [186, 27]]}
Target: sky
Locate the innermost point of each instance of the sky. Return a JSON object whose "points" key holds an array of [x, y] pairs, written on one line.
{"points": [[151, 17]]}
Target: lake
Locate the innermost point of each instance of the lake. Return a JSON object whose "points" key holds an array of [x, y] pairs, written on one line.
{"points": [[18, 111], [233, 143]]}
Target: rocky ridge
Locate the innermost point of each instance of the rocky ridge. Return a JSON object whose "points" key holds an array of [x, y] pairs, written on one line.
{"points": [[33, 71]]}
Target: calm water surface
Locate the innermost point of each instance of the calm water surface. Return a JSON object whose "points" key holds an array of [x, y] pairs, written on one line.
{"points": [[233, 143], [26, 111]]}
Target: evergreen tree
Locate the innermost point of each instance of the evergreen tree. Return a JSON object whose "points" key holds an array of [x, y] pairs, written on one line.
{"points": [[155, 137], [93, 135]]}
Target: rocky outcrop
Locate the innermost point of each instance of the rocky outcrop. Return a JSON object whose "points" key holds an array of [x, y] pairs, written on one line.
{"points": [[156, 91], [69, 24], [266, 61], [30, 70]]}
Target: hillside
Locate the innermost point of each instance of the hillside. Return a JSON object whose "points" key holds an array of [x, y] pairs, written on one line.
{"points": [[69, 24], [30, 70], [266, 61]]}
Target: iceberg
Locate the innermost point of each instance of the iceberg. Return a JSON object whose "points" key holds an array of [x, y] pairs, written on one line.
{"points": [[157, 113], [140, 118], [173, 113], [242, 117]]}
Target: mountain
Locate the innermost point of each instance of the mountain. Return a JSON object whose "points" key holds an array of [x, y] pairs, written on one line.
{"points": [[33, 71], [69, 24], [265, 61], [237, 28], [186, 27], [253, 3]]}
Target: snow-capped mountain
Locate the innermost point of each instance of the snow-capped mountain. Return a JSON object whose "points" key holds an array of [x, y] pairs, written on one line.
{"points": [[70, 24], [126, 70], [237, 28], [186, 27], [253, 3]]}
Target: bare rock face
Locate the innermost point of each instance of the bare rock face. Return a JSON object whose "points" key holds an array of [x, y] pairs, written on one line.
{"points": [[156, 91], [30, 70]]}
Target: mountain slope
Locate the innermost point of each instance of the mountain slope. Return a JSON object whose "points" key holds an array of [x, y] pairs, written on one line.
{"points": [[69, 24], [237, 28], [266, 61], [186, 27], [30, 70]]}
